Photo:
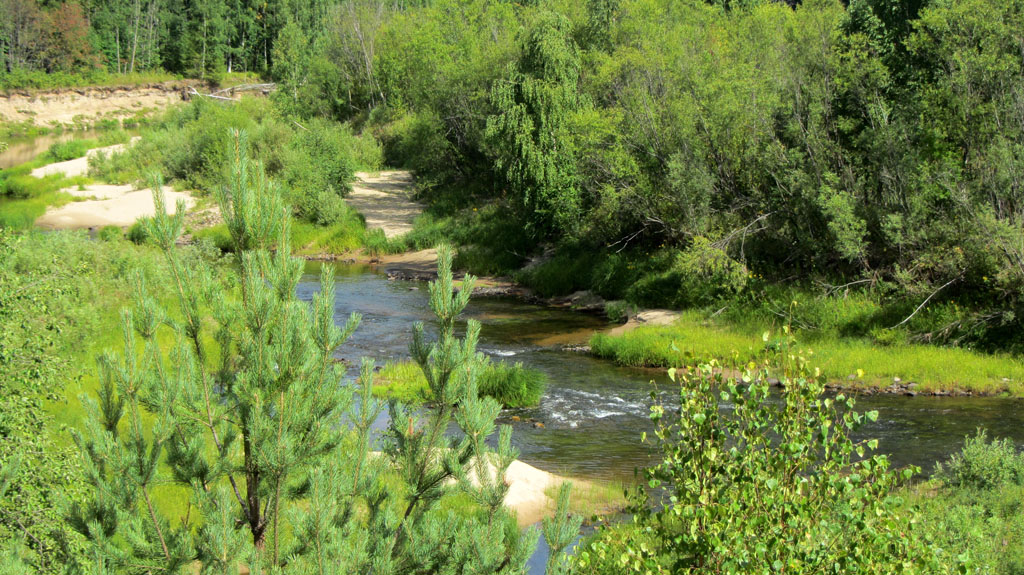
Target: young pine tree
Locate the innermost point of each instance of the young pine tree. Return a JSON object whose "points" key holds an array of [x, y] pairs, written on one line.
{"points": [[237, 443]]}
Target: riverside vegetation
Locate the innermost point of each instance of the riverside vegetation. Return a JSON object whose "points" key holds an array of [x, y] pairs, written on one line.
{"points": [[861, 159]]}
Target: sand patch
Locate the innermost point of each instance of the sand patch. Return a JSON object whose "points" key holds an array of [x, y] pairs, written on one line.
{"points": [[385, 201], [117, 206], [528, 489], [527, 495], [78, 166]]}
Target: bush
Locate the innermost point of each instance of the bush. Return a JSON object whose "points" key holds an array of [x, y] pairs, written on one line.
{"points": [[139, 232], [110, 234], [218, 236], [416, 141], [563, 274], [973, 505], [613, 275], [367, 153], [699, 275], [115, 168], [983, 465], [748, 484], [317, 166], [70, 149], [619, 311]]}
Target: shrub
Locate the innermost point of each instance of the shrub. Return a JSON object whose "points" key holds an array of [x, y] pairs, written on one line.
{"points": [[318, 163], [748, 484], [982, 464], [563, 274], [217, 235], [115, 168], [417, 141], [110, 233], [619, 311], [70, 149], [139, 232], [699, 275], [367, 153], [613, 275]]}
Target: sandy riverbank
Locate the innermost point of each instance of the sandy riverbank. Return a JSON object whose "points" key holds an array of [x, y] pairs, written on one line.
{"points": [[84, 106], [111, 206]]}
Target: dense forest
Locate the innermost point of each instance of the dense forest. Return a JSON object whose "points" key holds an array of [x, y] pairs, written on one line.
{"points": [[183, 37]]}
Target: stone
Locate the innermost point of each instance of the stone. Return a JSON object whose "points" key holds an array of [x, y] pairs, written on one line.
{"points": [[538, 425]]}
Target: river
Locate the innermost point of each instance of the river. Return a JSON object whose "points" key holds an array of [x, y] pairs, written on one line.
{"points": [[593, 412]]}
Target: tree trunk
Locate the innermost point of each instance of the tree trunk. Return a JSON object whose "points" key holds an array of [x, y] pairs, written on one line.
{"points": [[136, 15]]}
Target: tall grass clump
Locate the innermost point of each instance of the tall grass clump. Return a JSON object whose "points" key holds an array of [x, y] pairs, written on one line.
{"points": [[24, 198], [514, 385]]}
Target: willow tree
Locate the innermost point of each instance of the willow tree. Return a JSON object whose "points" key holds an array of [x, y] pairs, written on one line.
{"points": [[241, 445], [531, 135]]}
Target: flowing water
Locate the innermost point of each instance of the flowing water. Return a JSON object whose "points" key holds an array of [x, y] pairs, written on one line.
{"points": [[593, 413]]}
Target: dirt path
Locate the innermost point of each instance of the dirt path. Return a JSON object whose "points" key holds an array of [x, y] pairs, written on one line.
{"points": [[87, 105], [385, 200]]}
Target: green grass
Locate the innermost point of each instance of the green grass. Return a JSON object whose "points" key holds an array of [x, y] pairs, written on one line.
{"points": [[23, 198], [512, 385], [88, 312], [70, 149], [339, 238], [21, 214], [307, 238], [931, 367], [976, 505], [402, 381]]}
